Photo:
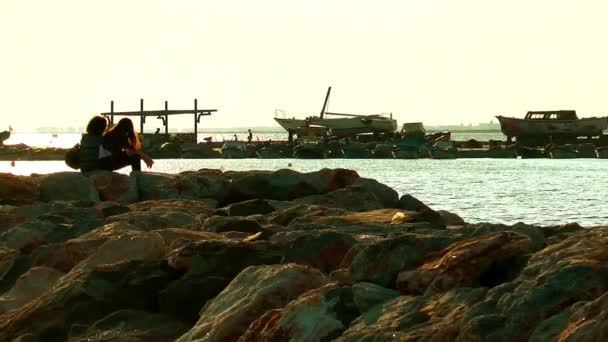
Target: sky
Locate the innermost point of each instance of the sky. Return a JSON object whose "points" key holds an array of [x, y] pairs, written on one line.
{"points": [[435, 61]]}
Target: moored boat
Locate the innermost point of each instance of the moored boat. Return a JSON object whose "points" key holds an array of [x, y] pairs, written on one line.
{"points": [[340, 124], [309, 148], [444, 150], [562, 152], [602, 152], [551, 125], [355, 151]]}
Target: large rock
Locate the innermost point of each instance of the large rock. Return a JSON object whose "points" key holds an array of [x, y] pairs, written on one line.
{"points": [[208, 267], [65, 255], [28, 287], [7, 259], [86, 296], [31, 234], [554, 278], [132, 326], [533, 232], [18, 189], [253, 292], [423, 318], [116, 187], [81, 215], [583, 321], [368, 295], [285, 184], [321, 249], [250, 207], [221, 224], [387, 196], [353, 198], [487, 260], [380, 262], [286, 215], [186, 185], [67, 186], [330, 307]]}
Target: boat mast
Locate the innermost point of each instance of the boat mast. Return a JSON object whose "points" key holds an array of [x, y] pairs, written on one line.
{"points": [[325, 103]]}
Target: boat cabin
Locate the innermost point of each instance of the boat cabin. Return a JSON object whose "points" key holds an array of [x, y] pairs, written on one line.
{"points": [[552, 115]]}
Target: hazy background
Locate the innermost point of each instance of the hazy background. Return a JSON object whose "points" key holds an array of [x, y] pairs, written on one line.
{"points": [[440, 62]]}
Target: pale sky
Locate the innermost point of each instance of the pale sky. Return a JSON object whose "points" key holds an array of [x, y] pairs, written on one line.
{"points": [[435, 61]]}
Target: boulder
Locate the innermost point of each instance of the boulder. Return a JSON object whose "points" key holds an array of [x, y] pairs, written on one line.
{"points": [[285, 184], [286, 215], [116, 187], [583, 321], [208, 266], [321, 249], [450, 219], [67, 186], [219, 224], [18, 189], [368, 295], [487, 260], [330, 307], [31, 234], [353, 198], [533, 232], [387, 196], [150, 220], [87, 295], [28, 287], [65, 255], [250, 207], [380, 262], [186, 185], [423, 318], [131, 325], [411, 203], [253, 292], [82, 216], [7, 260], [554, 278]]}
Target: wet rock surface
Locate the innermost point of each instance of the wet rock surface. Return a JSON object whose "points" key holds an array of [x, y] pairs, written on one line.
{"points": [[209, 255]]}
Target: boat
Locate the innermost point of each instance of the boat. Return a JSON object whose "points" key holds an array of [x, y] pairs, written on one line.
{"points": [[355, 151], [551, 124], [340, 124], [309, 148], [562, 152], [234, 150], [269, 153], [444, 150], [602, 152], [383, 151]]}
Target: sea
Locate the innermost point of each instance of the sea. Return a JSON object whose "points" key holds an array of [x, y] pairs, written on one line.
{"points": [[533, 191]]}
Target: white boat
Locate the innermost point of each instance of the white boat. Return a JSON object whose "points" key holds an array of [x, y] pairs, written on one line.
{"points": [[340, 124]]}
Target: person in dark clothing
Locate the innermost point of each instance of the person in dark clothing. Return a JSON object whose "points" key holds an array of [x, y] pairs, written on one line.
{"points": [[121, 147], [90, 143], [249, 136]]}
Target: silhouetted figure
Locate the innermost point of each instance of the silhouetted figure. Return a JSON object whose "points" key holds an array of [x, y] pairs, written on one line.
{"points": [[157, 132], [90, 144], [121, 147], [250, 136], [290, 136], [236, 138]]}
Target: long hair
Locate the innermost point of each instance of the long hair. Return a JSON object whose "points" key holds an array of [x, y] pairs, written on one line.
{"points": [[122, 135]]}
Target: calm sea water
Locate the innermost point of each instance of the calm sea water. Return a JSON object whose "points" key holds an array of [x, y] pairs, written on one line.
{"points": [[534, 191]]}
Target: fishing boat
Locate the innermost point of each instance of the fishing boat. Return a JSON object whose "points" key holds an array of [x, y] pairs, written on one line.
{"points": [[309, 148], [549, 125], [340, 124]]}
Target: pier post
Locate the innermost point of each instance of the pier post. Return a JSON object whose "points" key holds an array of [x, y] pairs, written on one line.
{"points": [[112, 112], [195, 121], [141, 117], [166, 118]]}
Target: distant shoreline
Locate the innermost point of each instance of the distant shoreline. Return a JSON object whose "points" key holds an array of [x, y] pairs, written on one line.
{"points": [[256, 130]]}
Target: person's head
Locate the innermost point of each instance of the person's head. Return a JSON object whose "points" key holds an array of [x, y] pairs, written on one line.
{"points": [[97, 125], [124, 133]]}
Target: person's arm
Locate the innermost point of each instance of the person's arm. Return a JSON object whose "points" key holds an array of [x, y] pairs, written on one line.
{"points": [[149, 162]]}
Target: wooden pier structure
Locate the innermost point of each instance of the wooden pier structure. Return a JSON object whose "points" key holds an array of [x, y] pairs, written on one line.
{"points": [[161, 115]]}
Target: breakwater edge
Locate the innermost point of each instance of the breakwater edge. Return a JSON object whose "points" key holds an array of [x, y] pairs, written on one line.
{"points": [[257, 255]]}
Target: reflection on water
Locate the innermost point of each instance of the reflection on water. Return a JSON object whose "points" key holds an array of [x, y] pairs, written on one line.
{"points": [[536, 191]]}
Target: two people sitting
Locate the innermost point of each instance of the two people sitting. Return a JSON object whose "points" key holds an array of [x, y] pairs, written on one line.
{"points": [[103, 148]]}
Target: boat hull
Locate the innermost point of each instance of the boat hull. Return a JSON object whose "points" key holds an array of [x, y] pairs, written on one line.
{"points": [[514, 127], [344, 126]]}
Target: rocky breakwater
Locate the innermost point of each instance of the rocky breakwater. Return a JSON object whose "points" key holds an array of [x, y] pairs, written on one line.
{"points": [[273, 256]]}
